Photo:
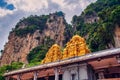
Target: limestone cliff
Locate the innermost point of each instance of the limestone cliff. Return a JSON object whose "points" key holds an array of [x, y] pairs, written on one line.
{"points": [[24, 37], [117, 36]]}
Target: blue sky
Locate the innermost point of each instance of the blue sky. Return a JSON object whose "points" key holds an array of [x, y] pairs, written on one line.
{"points": [[5, 5], [11, 11]]}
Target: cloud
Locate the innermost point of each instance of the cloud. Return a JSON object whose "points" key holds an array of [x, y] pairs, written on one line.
{"points": [[29, 5], [6, 24], [4, 12], [24, 8], [5, 8]]}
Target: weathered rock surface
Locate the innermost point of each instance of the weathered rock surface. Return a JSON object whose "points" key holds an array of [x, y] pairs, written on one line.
{"points": [[117, 36]]}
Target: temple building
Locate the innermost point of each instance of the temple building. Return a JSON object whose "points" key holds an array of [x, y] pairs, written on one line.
{"points": [[74, 62]]}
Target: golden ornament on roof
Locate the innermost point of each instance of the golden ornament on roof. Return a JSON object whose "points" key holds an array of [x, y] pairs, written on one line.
{"points": [[75, 47], [53, 54]]}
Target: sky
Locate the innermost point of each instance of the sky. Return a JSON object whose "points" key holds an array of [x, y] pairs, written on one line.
{"points": [[11, 11]]}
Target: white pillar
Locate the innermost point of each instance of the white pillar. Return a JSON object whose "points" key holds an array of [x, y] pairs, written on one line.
{"points": [[118, 59], [66, 75], [6, 78], [18, 77], [35, 75], [56, 74], [83, 72], [101, 75], [46, 78]]}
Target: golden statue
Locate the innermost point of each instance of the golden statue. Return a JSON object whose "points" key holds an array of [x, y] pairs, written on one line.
{"points": [[53, 54]]}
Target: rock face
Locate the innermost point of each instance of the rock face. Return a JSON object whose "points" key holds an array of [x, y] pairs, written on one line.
{"points": [[117, 36], [18, 47], [91, 18], [55, 29]]}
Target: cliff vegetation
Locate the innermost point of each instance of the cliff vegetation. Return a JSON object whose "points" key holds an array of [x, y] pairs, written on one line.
{"points": [[97, 24]]}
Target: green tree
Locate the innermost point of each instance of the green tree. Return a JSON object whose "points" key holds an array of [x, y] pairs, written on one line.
{"points": [[116, 15]]}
